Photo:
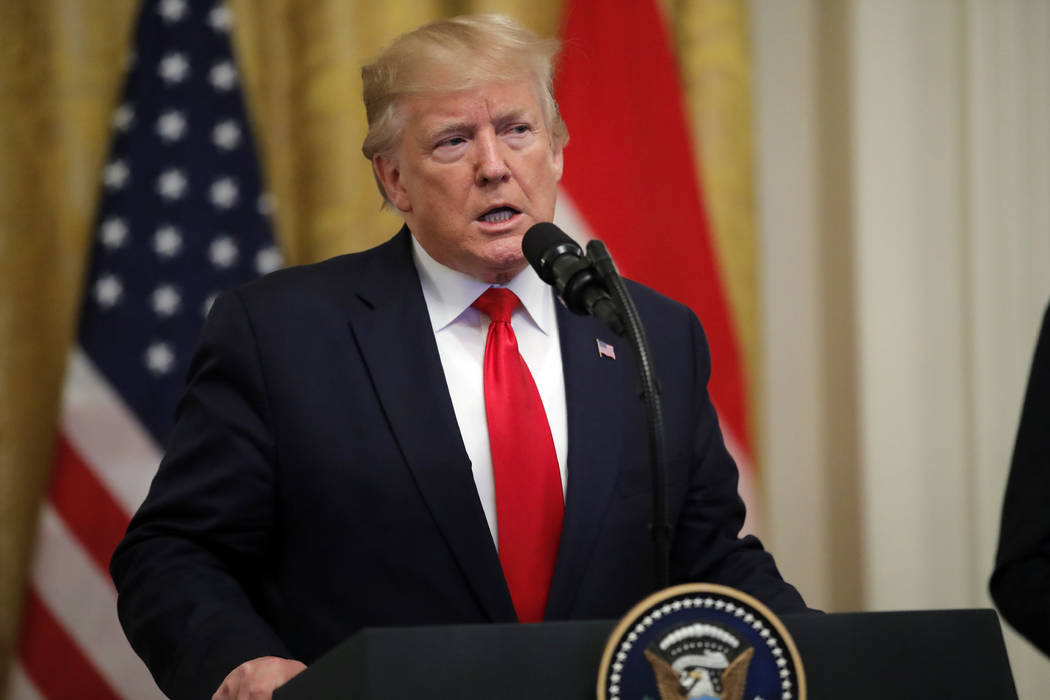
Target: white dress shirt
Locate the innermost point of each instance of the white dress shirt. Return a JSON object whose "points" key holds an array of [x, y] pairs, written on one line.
{"points": [[461, 330]]}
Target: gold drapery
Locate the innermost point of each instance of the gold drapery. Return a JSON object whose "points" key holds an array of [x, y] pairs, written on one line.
{"points": [[61, 64], [60, 71]]}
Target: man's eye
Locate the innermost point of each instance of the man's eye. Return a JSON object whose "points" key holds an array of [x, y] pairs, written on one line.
{"points": [[452, 141], [520, 129]]}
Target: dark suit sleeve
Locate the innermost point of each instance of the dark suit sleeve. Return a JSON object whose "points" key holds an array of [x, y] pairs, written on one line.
{"points": [[1020, 583], [195, 555], [707, 545]]}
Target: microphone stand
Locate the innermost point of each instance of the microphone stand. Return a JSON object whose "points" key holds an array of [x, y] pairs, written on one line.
{"points": [[661, 530]]}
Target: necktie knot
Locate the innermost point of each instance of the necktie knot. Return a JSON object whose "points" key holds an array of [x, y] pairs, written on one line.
{"points": [[498, 303]]}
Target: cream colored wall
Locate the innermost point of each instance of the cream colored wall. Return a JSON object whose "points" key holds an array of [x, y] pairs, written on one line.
{"points": [[904, 228], [808, 425], [792, 432]]}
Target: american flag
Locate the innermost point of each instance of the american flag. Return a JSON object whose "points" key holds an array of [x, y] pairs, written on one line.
{"points": [[182, 216]]}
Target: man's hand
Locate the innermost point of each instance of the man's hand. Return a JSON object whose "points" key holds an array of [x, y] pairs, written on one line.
{"points": [[256, 679]]}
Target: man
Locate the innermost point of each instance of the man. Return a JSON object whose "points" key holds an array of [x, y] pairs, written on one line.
{"points": [[1020, 583], [344, 457]]}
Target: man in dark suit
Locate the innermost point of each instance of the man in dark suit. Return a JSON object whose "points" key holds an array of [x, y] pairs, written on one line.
{"points": [[339, 459], [1020, 583]]}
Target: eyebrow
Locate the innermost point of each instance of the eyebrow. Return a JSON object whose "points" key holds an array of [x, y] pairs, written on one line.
{"points": [[512, 115], [449, 128], [454, 127]]}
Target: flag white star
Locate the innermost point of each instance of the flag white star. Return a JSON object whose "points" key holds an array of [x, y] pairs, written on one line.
{"points": [[174, 68], [222, 252], [172, 10], [108, 291], [167, 241], [267, 260], [266, 203], [220, 18], [159, 358], [165, 300], [171, 184], [114, 232], [123, 117], [171, 125], [223, 76], [115, 175], [223, 193], [226, 134]]}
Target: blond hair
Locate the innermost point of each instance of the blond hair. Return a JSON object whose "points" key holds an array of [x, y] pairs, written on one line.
{"points": [[450, 55]]}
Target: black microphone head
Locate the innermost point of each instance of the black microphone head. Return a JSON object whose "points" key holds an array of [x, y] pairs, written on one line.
{"points": [[544, 242]]}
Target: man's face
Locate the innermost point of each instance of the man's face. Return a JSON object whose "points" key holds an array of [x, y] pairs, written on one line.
{"points": [[473, 171]]}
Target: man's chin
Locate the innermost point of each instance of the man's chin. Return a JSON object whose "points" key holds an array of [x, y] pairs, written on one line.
{"points": [[502, 273]]}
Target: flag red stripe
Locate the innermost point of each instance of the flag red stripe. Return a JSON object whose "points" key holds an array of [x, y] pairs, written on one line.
{"points": [[53, 660], [91, 513], [629, 169]]}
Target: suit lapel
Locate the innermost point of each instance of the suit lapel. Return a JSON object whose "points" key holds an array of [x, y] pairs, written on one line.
{"points": [[593, 397], [393, 331]]}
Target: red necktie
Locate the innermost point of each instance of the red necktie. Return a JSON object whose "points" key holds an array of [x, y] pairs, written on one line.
{"points": [[529, 502]]}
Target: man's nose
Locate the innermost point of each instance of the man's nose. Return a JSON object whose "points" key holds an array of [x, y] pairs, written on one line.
{"points": [[491, 165]]}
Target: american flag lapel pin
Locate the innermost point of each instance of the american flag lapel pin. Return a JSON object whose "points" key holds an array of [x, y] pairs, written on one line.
{"points": [[605, 350]]}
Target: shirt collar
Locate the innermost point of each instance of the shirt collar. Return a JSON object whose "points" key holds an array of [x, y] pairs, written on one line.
{"points": [[449, 293]]}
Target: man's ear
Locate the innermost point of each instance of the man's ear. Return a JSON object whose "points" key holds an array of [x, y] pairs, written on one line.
{"points": [[559, 162], [389, 175]]}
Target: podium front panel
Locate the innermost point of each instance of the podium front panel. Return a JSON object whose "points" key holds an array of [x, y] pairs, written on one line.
{"points": [[957, 654]]}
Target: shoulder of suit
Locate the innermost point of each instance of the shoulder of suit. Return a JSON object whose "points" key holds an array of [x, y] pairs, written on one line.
{"points": [[650, 301], [333, 275]]}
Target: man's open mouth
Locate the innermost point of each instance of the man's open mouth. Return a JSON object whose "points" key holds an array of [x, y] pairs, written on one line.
{"points": [[498, 215]]}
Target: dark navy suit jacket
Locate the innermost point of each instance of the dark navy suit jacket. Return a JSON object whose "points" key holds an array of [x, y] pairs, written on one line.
{"points": [[1020, 583], [316, 481]]}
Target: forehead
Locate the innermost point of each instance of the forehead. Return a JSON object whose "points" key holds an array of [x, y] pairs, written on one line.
{"points": [[488, 101]]}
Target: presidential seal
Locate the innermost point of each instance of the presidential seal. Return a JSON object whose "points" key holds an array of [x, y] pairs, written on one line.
{"points": [[701, 641]]}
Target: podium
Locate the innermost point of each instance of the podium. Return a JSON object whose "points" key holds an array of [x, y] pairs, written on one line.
{"points": [[957, 654]]}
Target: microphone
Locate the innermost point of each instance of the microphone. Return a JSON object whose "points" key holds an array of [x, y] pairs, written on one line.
{"points": [[561, 263]]}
